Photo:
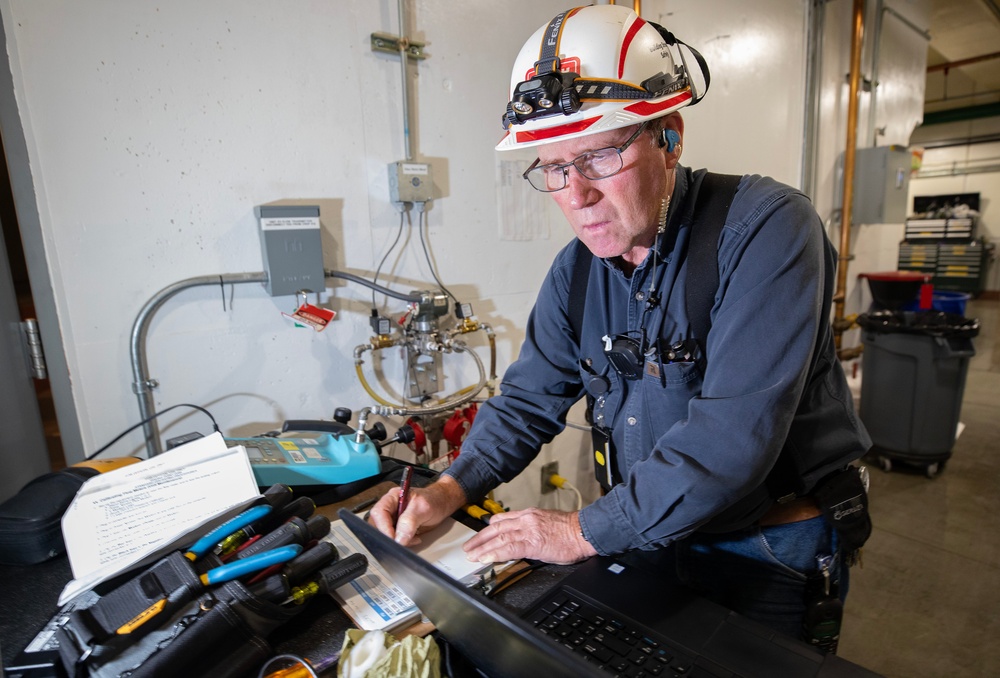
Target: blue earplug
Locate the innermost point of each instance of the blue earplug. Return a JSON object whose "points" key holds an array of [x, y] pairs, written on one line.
{"points": [[671, 138]]}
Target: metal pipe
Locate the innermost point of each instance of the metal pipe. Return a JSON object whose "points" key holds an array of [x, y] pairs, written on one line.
{"points": [[404, 46], [636, 6], [963, 62], [876, 52], [810, 130], [923, 32], [142, 385], [412, 298], [857, 37]]}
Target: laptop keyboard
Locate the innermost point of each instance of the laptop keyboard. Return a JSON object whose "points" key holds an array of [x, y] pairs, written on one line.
{"points": [[608, 640]]}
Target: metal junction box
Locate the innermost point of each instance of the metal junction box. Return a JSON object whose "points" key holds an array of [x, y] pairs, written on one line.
{"points": [[881, 182], [291, 247]]}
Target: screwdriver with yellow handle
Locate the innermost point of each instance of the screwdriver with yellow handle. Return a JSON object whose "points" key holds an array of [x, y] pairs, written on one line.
{"points": [[477, 512], [330, 578], [493, 506]]}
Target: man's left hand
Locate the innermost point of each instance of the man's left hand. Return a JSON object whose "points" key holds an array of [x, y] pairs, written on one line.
{"points": [[538, 534]]}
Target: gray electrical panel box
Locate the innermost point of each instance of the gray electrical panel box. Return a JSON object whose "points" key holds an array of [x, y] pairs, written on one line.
{"points": [[292, 250], [881, 182]]}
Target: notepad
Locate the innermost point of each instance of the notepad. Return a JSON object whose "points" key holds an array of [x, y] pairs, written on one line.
{"points": [[373, 601]]}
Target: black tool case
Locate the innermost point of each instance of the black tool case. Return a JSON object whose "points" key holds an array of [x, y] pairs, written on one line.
{"points": [[31, 520]]}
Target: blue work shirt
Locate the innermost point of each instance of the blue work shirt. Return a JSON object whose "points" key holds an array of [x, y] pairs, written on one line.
{"points": [[694, 441]]}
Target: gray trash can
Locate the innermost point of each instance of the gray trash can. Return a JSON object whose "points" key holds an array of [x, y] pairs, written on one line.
{"points": [[914, 367]]}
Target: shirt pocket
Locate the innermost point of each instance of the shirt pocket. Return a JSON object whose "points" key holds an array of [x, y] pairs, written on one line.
{"points": [[666, 392]]}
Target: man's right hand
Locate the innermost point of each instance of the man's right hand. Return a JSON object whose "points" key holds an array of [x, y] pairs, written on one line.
{"points": [[428, 506]]}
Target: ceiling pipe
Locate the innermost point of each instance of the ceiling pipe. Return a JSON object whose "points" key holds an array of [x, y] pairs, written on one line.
{"points": [[963, 62], [857, 37]]}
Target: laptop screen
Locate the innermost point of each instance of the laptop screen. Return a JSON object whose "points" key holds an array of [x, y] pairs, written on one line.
{"points": [[497, 641]]}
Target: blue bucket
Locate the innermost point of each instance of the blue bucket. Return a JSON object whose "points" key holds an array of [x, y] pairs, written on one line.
{"points": [[946, 302]]}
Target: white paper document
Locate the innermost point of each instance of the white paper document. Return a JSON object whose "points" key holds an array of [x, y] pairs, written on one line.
{"points": [[139, 512], [373, 601]]}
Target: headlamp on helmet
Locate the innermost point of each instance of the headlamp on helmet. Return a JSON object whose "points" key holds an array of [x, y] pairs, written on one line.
{"points": [[544, 94]]}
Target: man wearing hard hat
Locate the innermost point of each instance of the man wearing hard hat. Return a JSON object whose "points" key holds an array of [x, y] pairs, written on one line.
{"points": [[692, 312]]}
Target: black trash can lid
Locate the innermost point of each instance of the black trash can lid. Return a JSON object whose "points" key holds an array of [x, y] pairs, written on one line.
{"points": [[929, 323]]}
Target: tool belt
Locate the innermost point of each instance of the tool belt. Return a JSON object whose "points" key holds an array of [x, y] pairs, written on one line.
{"points": [[219, 630]]}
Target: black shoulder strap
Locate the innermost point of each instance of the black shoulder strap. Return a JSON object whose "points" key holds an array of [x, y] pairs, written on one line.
{"points": [[578, 290], [715, 195]]}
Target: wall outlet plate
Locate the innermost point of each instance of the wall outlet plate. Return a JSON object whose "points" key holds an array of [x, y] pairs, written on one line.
{"points": [[547, 470]]}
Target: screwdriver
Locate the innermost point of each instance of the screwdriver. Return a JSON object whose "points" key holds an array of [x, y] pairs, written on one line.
{"points": [[477, 512], [493, 506], [320, 555], [297, 569], [205, 544], [278, 495], [295, 531], [303, 507], [330, 578]]}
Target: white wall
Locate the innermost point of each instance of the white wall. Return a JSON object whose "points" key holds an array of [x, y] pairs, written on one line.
{"points": [[751, 120], [153, 129]]}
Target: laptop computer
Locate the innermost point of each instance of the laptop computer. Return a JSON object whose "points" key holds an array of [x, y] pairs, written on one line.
{"points": [[636, 625]]}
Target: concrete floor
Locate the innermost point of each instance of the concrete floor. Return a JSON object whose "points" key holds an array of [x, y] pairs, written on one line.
{"points": [[926, 601]]}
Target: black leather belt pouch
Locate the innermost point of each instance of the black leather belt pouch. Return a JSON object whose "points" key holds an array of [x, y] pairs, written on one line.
{"points": [[844, 501]]}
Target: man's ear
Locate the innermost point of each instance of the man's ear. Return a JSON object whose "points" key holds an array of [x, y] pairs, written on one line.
{"points": [[669, 138], [671, 133]]}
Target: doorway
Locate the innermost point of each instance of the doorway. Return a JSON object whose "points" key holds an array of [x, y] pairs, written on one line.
{"points": [[26, 309]]}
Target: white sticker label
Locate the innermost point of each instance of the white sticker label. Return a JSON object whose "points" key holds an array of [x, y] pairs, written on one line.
{"points": [[312, 453], [415, 168], [296, 456], [288, 223]]}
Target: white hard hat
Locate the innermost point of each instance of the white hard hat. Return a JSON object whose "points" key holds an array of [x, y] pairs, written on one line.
{"points": [[593, 69]]}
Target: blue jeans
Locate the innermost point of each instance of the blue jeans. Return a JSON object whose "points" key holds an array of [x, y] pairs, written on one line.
{"points": [[761, 572]]}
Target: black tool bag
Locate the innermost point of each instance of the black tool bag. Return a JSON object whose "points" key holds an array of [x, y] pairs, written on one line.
{"points": [[163, 622]]}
